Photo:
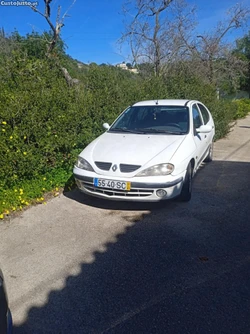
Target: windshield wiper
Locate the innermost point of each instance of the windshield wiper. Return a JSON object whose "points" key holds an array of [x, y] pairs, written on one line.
{"points": [[125, 130], [153, 130], [146, 131]]}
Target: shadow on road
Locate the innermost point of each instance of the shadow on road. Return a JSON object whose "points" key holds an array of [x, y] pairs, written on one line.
{"points": [[183, 268]]}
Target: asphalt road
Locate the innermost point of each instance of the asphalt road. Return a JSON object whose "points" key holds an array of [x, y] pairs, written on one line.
{"points": [[81, 265]]}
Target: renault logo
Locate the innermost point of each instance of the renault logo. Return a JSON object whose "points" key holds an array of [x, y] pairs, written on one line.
{"points": [[114, 168]]}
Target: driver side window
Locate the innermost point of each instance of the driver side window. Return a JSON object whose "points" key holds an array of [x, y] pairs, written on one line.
{"points": [[196, 117]]}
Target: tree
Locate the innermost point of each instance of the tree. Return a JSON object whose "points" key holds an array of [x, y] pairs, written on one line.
{"points": [[163, 33], [55, 27], [152, 33], [211, 56], [242, 51], [144, 32], [54, 36]]}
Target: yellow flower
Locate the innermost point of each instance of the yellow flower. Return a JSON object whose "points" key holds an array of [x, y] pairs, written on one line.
{"points": [[42, 199], [26, 203], [3, 203], [44, 178], [15, 190], [1, 216], [4, 123], [3, 130], [24, 153], [22, 201], [44, 189], [6, 212], [56, 189], [20, 207], [11, 137], [24, 137]]}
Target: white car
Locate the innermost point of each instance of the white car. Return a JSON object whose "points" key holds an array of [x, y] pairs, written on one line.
{"points": [[150, 153]]}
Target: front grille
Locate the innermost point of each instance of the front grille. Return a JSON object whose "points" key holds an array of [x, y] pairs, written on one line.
{"points": [[134, 192], [103, 165], [125, 168]]}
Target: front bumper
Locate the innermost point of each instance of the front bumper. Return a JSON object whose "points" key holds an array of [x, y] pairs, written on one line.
{"points": [[144, 190]]}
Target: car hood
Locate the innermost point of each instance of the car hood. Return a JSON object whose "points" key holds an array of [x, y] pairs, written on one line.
{"points": [[136, 149]]}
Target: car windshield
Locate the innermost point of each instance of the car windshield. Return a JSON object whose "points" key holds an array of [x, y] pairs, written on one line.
{"points": [[153, 119]]}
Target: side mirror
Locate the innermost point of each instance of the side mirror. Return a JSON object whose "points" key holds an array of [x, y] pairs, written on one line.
{"points": [[106, 126], [204, 129]]}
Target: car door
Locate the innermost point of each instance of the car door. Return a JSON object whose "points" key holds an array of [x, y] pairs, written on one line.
{"points": [[200, 139]]}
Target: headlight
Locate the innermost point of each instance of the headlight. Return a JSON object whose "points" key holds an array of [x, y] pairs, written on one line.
{"points": [[157, 170], [83, 164]]}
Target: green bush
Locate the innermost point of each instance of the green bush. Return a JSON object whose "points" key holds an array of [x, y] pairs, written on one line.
{"points": [[223, 115], [39, 121], [242, 108]]}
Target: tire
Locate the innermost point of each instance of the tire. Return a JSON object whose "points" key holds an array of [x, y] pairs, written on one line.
{"points": [[209, 156], [186, 192]]}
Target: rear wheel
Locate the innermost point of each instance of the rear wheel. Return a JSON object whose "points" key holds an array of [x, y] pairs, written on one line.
{"points": [[209, 156], [186, 191]]}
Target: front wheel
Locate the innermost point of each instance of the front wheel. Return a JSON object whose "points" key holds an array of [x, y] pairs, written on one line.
{"points": [[186, 191]]}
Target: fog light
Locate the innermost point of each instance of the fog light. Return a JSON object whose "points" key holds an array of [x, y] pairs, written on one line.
{"points": [[161, 193]]}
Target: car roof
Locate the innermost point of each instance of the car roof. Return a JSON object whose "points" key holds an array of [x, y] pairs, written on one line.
{"points": [[163, 103]]}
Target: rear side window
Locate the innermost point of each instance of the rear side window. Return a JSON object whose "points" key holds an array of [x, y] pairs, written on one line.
{"points": [[204, 112]]}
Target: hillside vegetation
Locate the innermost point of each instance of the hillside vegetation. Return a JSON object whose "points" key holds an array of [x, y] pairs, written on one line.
{"points": [[45, 123]]}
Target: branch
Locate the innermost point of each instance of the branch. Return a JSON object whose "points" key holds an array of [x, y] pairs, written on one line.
{"points": [[236, 21], [45, 16], [139, 34], [165, 4], [66, 13]]}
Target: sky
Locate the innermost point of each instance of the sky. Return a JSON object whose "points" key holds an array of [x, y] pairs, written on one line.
{"points": [[92, 28]]}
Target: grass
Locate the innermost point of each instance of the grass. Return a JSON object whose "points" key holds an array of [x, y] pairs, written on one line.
{"points": [[30, 192]]}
